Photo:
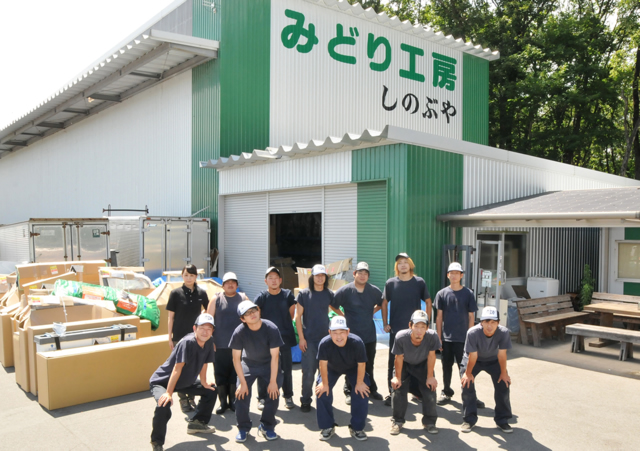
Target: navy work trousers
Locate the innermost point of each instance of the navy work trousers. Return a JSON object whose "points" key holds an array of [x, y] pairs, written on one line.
{"points": [[501, 393], [359, 405], [268, 418]]}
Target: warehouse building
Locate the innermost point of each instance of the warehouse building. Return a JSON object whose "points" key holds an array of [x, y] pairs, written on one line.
{"points": [[314, 131]]}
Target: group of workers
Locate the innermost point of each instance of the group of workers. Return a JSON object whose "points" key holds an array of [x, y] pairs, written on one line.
{"points": [[252, 340]]}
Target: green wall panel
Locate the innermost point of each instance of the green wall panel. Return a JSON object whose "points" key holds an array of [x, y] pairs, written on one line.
{"points": [[475, 100], [421, 184], [244, 76], [205, 134], [631, 288], [372, 229]]}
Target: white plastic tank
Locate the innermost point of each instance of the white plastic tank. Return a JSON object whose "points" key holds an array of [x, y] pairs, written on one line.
{"points": [[542, 287]]}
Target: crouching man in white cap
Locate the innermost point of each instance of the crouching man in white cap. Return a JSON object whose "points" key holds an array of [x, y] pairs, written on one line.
{"points": [[486, 350], [415, 356], [189, 358], [256, 350], [342, 353]]}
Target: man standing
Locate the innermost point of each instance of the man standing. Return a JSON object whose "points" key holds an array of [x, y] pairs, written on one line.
{"points": [[415, 356], [486, 350], [279, 306], [456, 308], [225, 311], [342, 353], [256, 347], [184, 306], [360, 300], [405, 291], [179, 373], [312, 323]]}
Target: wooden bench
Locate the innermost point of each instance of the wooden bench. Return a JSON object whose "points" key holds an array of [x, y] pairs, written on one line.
{"points": [[543, 314], [626, 337], [630, 321]]}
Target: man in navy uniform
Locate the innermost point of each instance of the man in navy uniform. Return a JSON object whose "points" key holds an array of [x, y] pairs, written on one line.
{"points": [[256, 349], [342, 353], [486, 350], [189, 358]]}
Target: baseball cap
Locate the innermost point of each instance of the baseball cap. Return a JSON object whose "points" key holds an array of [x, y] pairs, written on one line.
{"points": [[338, 323], [204, 318], [229, 276], [402, 255], [318, 269], [455, 266], [244, 306], [362, 266], [272, 269], [420, 316], [489, 313]]}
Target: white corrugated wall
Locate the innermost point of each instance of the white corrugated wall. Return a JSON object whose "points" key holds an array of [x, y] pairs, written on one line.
{"points": [[246, 240], [296, 201], [143, 143], [340, 221], [324, 169]]}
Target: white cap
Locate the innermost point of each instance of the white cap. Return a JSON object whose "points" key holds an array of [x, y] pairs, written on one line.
{"points": [[420, 316], [455, 266], [362, 266], [229, 276], [338, 323], [489, 313], [205, 318], [244, 306], [318, 269]]}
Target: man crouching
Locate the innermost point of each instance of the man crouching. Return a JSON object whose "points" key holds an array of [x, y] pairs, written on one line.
{"points": [[415, 356], [179, 373]]}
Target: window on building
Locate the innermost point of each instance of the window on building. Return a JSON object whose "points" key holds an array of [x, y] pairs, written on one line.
{"points": [[515, 253], [629, 260]]}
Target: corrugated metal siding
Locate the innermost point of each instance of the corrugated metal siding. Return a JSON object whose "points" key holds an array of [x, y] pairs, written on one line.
{"points": [[313, 95], [422, 183], [556, 252], [125, 238], [372, 230], [488, 181], [244, 75], [206, 120], [137, 140], [340, 219], [475, 100], [14, 243], [179, 20], [298, 173], [246, 235], [298, 201]]}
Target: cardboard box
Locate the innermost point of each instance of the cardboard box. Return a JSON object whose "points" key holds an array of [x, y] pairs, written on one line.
{"points": [[303, 277], [78, 317], [11, 297], [38, 284], [6, 335], [87, 271], [21, 360], [77, 376], [161, 296]]}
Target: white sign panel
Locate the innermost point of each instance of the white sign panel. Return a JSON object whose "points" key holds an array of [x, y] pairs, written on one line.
{"points": [[333, 72], [486, 279]]}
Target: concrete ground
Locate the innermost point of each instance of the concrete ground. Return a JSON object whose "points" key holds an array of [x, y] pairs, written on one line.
{"points": [[560, 401]]}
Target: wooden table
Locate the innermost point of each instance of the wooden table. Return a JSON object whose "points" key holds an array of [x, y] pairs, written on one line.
{"points": [[607, 311]]}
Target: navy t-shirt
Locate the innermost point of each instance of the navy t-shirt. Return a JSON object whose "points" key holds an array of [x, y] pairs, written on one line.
{"points": [[486, 347], [455, 307], [358, 309], [275, 308], [189, 352], [315, 318], [405, 297], [256, 345], [226, 319], [186, 305], [344, 359]]}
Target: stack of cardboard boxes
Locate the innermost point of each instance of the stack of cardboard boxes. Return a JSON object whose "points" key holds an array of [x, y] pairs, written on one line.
{"points": [[67, 377]]}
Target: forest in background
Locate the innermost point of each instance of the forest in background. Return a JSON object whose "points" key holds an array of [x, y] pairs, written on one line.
{"points": [[566, 85]]}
